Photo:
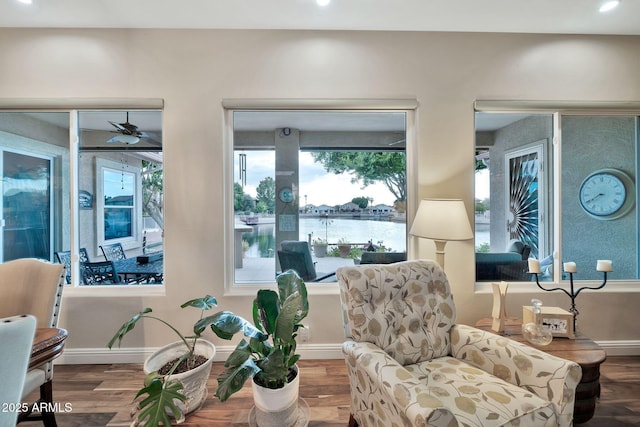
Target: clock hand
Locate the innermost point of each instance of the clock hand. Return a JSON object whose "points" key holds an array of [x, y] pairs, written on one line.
{"points": [[595, 197]]}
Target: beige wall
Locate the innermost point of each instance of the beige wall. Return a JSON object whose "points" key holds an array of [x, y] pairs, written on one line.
{"points": [[194, 70]]}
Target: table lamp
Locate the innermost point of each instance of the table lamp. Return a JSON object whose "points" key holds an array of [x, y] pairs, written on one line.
{"points": [[441, 220]]}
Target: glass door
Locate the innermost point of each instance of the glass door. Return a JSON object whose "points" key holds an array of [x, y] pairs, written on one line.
{"points": [[26, 206]]}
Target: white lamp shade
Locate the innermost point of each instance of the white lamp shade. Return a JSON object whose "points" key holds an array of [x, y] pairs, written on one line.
{"points": [[442, 219]]}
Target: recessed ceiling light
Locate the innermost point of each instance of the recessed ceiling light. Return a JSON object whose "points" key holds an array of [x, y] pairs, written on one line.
{"points": [[26, 1], [609, 5], [323, 2]]}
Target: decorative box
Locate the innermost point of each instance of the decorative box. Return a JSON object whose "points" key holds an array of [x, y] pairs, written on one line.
{"points": [[146, 259], [558, 320]]}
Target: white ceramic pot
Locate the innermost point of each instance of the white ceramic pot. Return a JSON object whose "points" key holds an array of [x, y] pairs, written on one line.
{"points": [[277, 407], [193, 381]]}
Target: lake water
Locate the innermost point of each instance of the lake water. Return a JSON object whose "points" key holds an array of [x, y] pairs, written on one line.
{"points": [[391, 234]]}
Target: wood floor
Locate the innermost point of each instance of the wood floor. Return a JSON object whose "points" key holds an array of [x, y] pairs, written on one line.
{"points": [[100, 395]]}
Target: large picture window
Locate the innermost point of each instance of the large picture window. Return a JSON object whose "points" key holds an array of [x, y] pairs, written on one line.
{"points": [[541, 192], [63, 199], [316, 189]]}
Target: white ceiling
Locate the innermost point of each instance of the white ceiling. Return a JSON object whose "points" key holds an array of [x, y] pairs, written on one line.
{"points": [[518, 16]]}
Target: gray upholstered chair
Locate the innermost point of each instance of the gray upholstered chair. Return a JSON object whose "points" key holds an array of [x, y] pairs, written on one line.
{"points": [[32, 286], [296, 255], [410, 364], [16, 336]]}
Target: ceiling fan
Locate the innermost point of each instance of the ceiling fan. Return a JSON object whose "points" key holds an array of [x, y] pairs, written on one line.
{"points": [[128, 133]]}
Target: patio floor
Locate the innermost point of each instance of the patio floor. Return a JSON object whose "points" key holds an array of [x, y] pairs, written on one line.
{"points": [[263, 269]]}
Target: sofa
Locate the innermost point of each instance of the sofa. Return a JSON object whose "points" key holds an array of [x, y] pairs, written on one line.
{"points": [[509, 265]]}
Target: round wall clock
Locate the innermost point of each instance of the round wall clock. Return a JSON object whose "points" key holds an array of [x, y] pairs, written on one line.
{"points": [[607, 194], [286, 195]]}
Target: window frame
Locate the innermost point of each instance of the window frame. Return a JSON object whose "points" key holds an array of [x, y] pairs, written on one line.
{"points": [[558, 110], [408, 106], [129, 242]]}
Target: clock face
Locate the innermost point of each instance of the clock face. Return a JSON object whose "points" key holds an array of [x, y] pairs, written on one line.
{"points": [[602, 194], [286, 195]]}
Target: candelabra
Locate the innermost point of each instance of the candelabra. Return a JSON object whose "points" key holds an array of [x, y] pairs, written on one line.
{"points": [[604, 266]]}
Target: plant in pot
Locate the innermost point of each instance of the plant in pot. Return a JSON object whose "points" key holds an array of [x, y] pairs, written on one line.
{"points": [[319, 247], [269, 356], [177, 373], [344, 247]]}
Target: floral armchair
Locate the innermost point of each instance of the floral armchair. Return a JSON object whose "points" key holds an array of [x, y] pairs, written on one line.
{"points": [[410, 364]]}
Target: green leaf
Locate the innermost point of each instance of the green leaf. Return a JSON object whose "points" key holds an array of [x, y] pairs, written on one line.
{"points": [[267, 303], [205, 303], [287, 318], [232, 380], [226, 324], [152, 410], [273, 368], [239, 355], [126, 327]]}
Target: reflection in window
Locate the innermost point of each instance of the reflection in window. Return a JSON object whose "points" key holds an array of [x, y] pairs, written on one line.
{"points": [[515, 177], [513, 217], [326, 185]]}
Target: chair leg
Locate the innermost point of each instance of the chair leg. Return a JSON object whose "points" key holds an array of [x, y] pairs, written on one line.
{"points": [[352, 421], [46, 395]]}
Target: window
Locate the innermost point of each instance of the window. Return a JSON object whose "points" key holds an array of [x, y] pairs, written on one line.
{"points": [[59, 198], [332, 184], [526, 194], [118, 203]]}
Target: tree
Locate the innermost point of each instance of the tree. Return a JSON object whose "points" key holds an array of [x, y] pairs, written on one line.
{"points": [[152, 192], [482, 205], [242, 202], [368, 167], [362, 202], [266, 195]]}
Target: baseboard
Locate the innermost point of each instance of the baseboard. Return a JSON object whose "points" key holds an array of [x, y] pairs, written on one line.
{"points": [[621, 347], [94, 356]]}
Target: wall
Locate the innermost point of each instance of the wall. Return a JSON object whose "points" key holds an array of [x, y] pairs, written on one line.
{"points": [[194, 70]]}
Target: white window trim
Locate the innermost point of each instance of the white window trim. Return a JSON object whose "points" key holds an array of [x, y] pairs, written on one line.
{"points": [[408, 106], [134, 241]]}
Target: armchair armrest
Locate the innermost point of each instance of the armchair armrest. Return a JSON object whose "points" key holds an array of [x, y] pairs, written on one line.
{"points": [[376, 377], [550, 377]]}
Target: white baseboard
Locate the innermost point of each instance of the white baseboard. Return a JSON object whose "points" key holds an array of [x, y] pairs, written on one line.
{"points": [[95, 356], [621, 347]]}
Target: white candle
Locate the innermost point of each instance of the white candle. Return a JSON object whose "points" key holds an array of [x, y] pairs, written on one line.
{"points": [[604, 265], [570, 267], [534, 265]]}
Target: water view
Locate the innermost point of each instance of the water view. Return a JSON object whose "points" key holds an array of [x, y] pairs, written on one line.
{"points": [[392, 234]]}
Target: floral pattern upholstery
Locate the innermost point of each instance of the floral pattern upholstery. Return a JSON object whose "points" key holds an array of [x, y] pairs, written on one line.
{"points": [[410, 365]]}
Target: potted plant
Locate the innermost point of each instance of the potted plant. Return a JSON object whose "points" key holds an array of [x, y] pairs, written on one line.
{"points": [[269, 356], [176, 374], [319, 247], [344, 247]]}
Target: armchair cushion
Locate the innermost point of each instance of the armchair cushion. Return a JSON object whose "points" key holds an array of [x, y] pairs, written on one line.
{"points": [[549, 377], [440, 392]]}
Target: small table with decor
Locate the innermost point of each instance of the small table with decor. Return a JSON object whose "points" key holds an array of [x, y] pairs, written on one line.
{"points": [[581, 350]]}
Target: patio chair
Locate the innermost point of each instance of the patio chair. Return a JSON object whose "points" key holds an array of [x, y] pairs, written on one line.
{"points": [[113, 252], [296, 255], [99, 273], [382, 257], [64, 257]]}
